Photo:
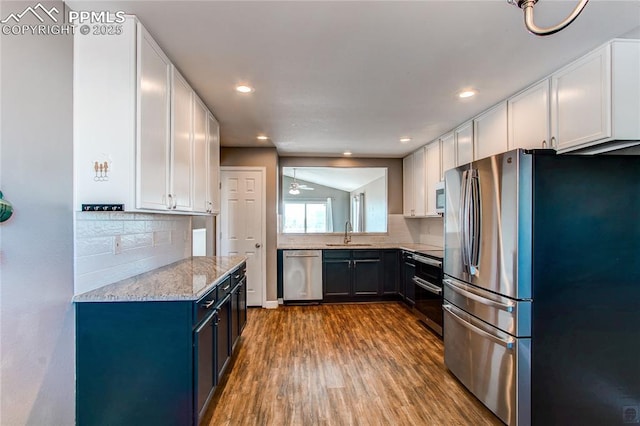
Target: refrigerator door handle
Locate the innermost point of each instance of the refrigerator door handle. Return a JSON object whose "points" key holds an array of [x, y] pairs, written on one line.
{"points": [[475, 220], [509, 343], [508, 307], [464, 219]]}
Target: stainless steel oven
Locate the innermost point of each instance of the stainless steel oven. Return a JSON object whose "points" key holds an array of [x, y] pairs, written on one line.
{"points": [[428, 288]]}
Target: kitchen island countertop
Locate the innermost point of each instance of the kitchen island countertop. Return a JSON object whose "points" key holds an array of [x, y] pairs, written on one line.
{"points": [[187, 279]]}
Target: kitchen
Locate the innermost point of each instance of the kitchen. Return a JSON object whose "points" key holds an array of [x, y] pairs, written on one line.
{"points": [[37, 320]]}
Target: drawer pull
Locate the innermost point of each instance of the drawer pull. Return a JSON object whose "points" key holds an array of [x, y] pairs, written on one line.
{"points": [[209, 304]]}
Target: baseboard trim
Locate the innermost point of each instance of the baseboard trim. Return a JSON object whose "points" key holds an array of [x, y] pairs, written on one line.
{"points": [[271, 304]]}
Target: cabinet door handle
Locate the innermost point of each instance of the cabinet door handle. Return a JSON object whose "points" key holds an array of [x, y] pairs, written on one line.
{"points": [[544, 143], [175, 201], [169, 201], [553, 141]]}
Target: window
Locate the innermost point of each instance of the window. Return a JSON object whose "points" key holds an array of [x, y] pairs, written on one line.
{"points": [[301, 217]]}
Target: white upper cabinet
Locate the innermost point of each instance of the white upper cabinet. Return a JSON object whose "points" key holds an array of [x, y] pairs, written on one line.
{"points": [[464, 143], [448, 151], [153, 127], [432, 173], [528, 118], [213, 168], [490, 132], [414, 184], [407, 186], [419, 183], [137, 127], [200, 157], [597, 98], [182, 100]]}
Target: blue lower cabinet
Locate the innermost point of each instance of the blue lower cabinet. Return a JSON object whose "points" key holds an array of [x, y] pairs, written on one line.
{"points": [[134, 363], [155, 363]]}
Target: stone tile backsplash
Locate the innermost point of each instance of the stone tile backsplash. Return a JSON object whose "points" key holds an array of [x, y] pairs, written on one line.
{"points": [[110, 247]]}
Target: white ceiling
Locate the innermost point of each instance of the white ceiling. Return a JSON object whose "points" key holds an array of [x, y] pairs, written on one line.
{"points": [[331, 76], [343, 178]]}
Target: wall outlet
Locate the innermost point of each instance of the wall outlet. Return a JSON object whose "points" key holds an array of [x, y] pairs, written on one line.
{"points": [[117, 245]]}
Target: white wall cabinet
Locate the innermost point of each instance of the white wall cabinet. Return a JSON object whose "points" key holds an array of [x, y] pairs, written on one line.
{"points": [[597, 98], [414, 184], [407, 186], [529, 118], [464, 143], [448, 152], [200, 157], [213, 167], [153, 140], [137, 145], [182, 132], [419, 183], [490, 132], [432, 174]]}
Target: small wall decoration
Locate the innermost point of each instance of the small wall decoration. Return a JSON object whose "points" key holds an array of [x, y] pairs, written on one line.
{"points": [[6, 209]]}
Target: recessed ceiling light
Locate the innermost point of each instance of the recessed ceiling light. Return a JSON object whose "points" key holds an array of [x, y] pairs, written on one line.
{"points": [[466, 94], [347, 153], [405, 140], [262, 137], [244, 89]]}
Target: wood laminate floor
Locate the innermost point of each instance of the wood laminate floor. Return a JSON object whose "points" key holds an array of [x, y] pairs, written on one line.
{"points": [[352, 364]]}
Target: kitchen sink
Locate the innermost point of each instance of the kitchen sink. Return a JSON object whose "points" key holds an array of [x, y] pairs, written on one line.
{"points": [[349, 245]]}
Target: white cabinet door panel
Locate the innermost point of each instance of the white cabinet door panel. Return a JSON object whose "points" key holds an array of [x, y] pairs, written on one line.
{"points": [[200, 157], [529, 118], [432, 154], [419, 183], [153, 138], [581, 100], [448, 148], [490, 132], [464, 144], [213, 151], [182, 143]]}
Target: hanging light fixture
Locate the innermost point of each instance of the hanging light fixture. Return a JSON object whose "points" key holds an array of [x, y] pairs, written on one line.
{"points": [[527, 7]]}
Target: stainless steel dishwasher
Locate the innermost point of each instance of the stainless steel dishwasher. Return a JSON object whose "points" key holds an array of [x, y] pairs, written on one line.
{"points": [[302, 275]]}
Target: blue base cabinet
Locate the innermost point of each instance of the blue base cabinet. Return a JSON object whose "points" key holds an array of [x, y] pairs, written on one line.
{"points": [[156, 362]]}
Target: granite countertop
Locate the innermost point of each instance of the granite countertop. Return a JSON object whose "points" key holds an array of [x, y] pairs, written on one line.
{"points": [[355, 245], [188, 279]]}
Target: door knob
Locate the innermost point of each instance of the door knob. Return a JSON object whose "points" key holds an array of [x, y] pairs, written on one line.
{"points": [[258, 245]]}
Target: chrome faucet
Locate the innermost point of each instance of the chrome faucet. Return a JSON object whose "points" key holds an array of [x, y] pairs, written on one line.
{"points": [[347, 228]]}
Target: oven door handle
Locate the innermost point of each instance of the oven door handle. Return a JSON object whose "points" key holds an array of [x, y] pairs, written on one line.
{"points": [[427, 286], [426, 260], [466, 292], [506, 343]]}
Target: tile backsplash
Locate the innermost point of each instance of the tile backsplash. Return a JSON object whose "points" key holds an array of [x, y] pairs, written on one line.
{"points": [[113, 246]]}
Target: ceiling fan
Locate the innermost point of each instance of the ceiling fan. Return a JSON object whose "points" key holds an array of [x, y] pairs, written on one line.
{"points": [[295, 187]]}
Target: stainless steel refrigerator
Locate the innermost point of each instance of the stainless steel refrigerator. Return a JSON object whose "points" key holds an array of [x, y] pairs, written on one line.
{"points": [[542, 286]]}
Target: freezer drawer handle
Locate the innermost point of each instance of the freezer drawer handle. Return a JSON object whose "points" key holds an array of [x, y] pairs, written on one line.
{"points": [[301, 255], [427, 286], [455, 287], [506, 343]]}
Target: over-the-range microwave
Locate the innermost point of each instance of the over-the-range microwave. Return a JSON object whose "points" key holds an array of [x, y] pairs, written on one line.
{"points": [[440, 197]]}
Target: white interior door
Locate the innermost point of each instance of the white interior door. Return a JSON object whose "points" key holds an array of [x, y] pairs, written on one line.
{"points": [[242, 225]]}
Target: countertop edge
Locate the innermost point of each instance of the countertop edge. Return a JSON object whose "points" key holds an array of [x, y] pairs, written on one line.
{"points": [[94, 296]]}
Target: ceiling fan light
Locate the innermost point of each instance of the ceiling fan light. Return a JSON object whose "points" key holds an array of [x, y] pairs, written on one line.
{"points": [[294, 191]]}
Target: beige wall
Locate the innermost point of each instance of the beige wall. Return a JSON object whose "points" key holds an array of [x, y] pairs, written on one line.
{"points": [[268, 158], [393, 165]]}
